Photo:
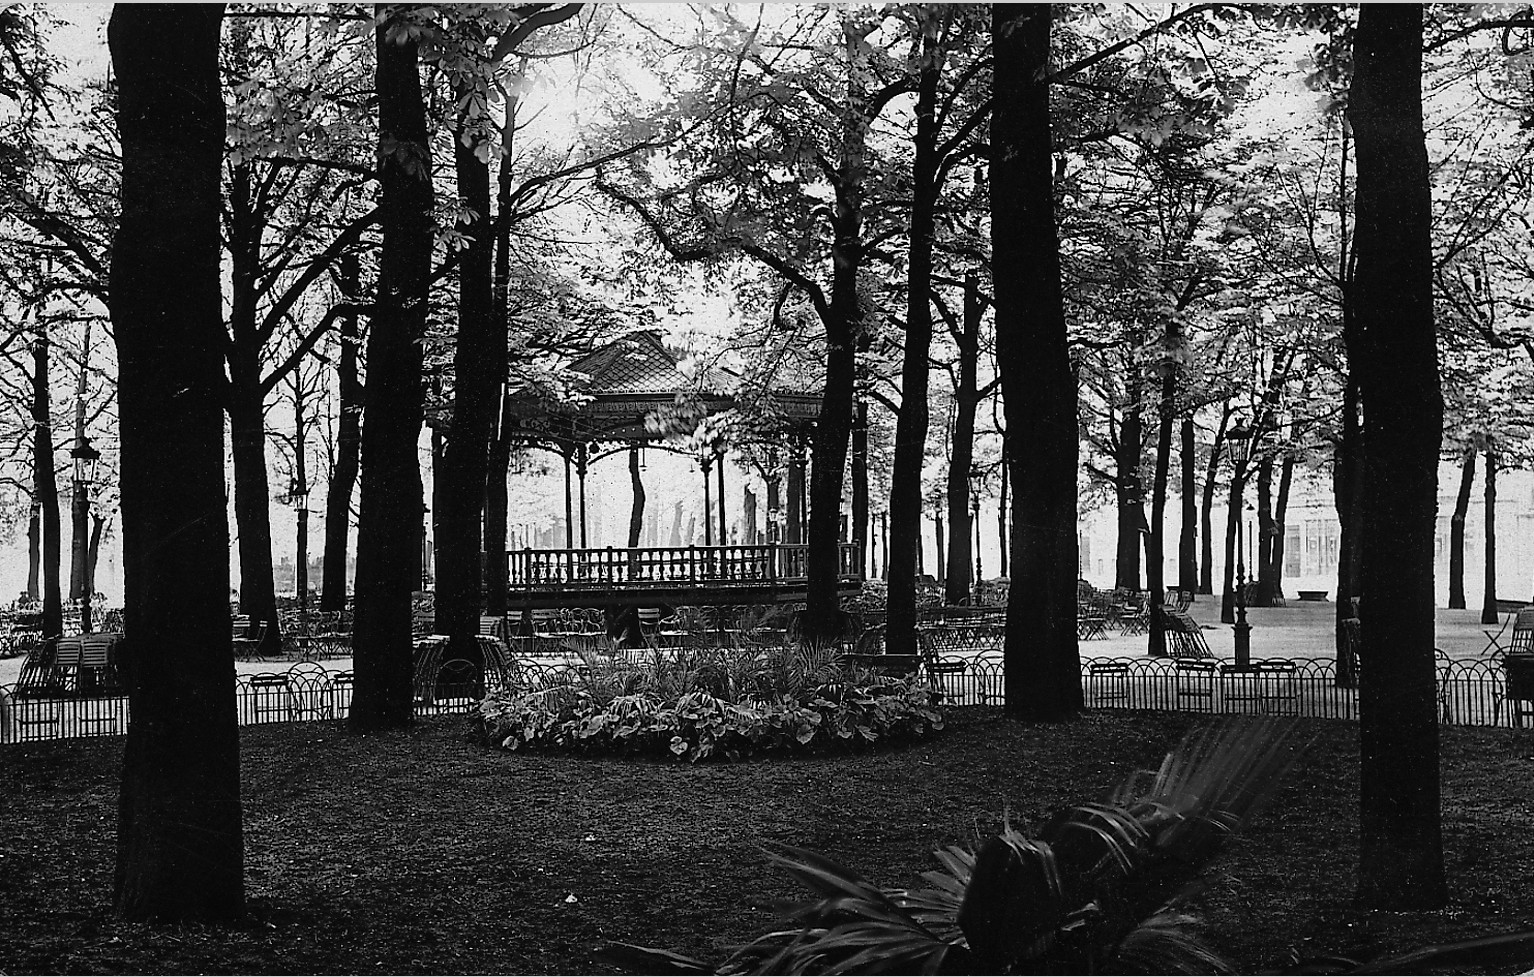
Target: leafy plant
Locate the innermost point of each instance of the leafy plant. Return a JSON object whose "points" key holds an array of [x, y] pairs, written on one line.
{"points": [[703, 703], [1098, 889]]}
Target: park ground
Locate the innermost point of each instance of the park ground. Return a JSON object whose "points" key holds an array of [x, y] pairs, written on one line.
{"points": [[429, 853]]}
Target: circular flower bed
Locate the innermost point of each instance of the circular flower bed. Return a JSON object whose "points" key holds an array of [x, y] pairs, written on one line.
{"points": [[715, 704]]}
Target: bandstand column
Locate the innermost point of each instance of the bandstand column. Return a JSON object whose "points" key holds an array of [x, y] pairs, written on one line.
{"points": [[569, 513], [581, 464], [724, 536], [705, 462]]}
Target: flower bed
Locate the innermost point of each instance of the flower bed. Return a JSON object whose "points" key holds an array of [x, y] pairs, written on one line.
{"points": [[721, 704]]}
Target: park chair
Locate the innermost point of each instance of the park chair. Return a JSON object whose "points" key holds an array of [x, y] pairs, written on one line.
{"points": [[1184, 636], [271, 698], [1521, 642], [249, 648], [492, 627], [1195, 683], [1107, 684]]}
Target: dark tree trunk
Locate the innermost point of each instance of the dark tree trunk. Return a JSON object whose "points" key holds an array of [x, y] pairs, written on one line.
{"points": [[1155, 563], [1489, 599], [860, 514], [1206, 506], [1042, 668], [750, 528], [1003, 538], [1187, 538], [45, 489], [1264, 571], [1233, 516], [498, 463], [636, 514], [343, 477], [476, 383], [247, 415], [1348, 490], [937, 529], [1393, 351], [823, 618], [180, 847], [34, 547], [1457, 533], [389, 523], [956, 581], [1280, 524], [98, 524], [1131, 504], [911, 424]]}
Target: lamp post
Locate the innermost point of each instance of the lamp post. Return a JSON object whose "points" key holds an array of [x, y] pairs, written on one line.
{"points": [[298, 497], [1240, 438], [85, 458]]}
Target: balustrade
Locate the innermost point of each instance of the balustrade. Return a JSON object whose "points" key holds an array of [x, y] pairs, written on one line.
{"points": [[660, 565]]}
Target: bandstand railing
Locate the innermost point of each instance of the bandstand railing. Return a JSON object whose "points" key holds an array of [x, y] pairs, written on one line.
{"points": [[766, 565]]}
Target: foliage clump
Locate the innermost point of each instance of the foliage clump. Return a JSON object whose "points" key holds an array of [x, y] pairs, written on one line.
{"points": [[729, 703]]}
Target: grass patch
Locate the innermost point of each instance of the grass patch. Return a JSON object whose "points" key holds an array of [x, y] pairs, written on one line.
{"points": [[427, 853]]}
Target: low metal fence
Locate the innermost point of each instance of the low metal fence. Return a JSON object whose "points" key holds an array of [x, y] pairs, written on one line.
{"points": [[1471, 692]]}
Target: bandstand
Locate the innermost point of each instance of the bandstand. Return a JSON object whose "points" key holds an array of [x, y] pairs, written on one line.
{"points": [[632, 394]]}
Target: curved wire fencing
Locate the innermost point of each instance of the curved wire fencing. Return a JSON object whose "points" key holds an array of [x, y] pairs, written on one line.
{"points": [[1471, 692]]}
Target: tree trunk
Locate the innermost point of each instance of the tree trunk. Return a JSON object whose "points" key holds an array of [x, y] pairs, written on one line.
{"points": [[911, 425], [461, 480], [389, 523], [1266, 585], [860, 515], [823, 618], [1233, 516], [1042, 668], [1155, 563], [1280, 523], [636, 514], [1131, 505], [34, 546], [247, 416], [1457, 533], [1394, 352], [956, 581], [252, 501], [180, 847], [498, 462], [1206, 507], [45, 489], [1489, 599], [1003, 538], [1187, 537], [98, 525], [343, 476], [1348, 490], [937, 530]]}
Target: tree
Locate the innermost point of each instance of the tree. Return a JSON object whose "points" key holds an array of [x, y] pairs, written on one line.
{"points": [[1392, 349], [935, 30], [180, 846], [389, 521], [1043, 671]]}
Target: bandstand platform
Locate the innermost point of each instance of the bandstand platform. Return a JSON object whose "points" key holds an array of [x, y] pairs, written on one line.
{"points": [[771, 573]]}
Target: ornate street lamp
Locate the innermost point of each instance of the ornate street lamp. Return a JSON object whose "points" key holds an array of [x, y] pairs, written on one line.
{"points": [[1240, 438], [298, 498], [85, 458]]}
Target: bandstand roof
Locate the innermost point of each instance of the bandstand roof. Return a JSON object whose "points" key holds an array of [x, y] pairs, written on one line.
{"points": [[630, 380]]}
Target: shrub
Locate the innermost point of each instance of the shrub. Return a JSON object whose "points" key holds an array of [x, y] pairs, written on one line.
{"points": [[705, 703]]}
